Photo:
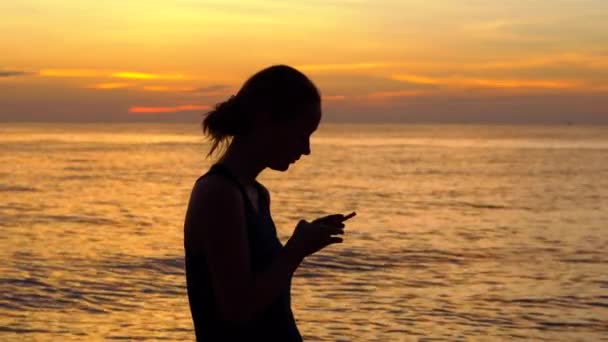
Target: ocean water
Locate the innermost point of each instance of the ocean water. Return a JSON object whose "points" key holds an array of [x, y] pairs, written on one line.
{"points": [[463, 232]]}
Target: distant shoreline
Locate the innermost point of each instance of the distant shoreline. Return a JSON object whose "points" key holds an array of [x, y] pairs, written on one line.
{"points": [[354, 123]]}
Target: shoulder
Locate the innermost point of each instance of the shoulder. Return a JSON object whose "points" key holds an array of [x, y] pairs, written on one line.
{"points": [[215, 188], [214, 202], [214, 196]]}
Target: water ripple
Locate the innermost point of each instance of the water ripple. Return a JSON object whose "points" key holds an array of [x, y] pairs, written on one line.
{"points": [[17, 188]]}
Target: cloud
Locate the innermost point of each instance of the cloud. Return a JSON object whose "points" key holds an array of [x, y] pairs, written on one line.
{"points": [[601, 89], [147, 88], [213, 90], [334, 97], [166, 109], [13, 73], [146, 76], [214, 87], [353, 86], [339, 67], [572, 59], [108, 85], [498, 28], [459, 82], [71, 73], [160, 88], [110, 74], [544, 84], [417, 79], [397, 93]]}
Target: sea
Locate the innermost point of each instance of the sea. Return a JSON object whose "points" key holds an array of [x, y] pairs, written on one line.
{"points": [[463, 232]]}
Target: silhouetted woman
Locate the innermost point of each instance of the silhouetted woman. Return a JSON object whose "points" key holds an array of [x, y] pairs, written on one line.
{"points": [[238, 272]]}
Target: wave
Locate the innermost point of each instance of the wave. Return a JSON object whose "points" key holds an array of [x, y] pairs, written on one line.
{"points": [[110, 285], [17, 188]]}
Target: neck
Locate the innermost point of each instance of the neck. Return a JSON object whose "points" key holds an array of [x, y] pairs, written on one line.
{"points": [[241, 159]]}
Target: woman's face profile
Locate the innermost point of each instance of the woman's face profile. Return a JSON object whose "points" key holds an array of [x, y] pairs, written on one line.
{"points": [[288, 141]]}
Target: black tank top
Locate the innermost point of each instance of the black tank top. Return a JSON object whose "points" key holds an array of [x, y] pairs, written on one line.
{"points": [[276, 323]]}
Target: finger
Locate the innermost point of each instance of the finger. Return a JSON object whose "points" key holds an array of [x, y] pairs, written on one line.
{"points": [[335, 219], [333, 230], [351, 215]]}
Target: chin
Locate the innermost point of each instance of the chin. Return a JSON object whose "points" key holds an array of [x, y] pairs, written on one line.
{"points": [[280, 167]]}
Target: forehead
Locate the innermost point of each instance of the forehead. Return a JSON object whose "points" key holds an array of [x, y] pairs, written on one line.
{"points": [[305, 121], [310, 119]]}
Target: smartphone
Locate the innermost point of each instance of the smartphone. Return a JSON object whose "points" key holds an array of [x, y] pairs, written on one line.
{"points": [[351, 215]]}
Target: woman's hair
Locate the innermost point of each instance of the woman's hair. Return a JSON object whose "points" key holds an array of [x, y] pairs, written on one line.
{"points": [[280, 91]]}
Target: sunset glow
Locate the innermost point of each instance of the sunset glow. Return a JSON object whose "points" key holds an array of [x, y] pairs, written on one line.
{"points": [[145, 76], [548, 57], [175, 109]]}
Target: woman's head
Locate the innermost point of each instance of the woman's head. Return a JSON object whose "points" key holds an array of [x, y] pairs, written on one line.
{"points": [[278, 109]]}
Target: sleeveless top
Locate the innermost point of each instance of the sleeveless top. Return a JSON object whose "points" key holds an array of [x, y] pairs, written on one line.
{"points": [[276, 323]]}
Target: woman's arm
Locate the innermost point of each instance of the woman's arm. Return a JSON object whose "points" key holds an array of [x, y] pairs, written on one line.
{"points": [[217, 228]]}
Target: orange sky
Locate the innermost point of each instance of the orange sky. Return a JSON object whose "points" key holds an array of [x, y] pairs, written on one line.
{"points": [[381, 60]]}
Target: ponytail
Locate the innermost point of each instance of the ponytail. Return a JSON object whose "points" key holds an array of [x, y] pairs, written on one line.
{"points": [[226, 120]]}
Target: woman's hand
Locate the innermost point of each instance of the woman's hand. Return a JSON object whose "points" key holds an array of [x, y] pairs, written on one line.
{"points": [[310, 237], [335, 219]]}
